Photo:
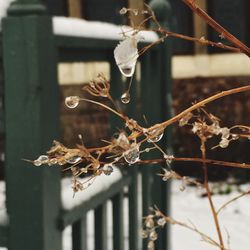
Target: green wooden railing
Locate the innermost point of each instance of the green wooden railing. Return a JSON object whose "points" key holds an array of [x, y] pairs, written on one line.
{"points": [[30, 54]]}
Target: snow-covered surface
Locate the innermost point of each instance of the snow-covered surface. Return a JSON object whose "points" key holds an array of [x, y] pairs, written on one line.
{"points": [[3, 213], [4, 4], [188, 206], [69, 26], [94, 29], [101, 183]]}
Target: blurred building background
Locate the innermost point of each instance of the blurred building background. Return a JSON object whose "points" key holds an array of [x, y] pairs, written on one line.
{"points": [[198, 72]]}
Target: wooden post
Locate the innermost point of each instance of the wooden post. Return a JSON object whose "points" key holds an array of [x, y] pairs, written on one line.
{"points": [[75, 8], [31, 122], [160, 94], [136, 20], [200, 28]]}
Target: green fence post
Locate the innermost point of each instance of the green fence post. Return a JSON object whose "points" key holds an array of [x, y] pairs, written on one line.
{"points": [[31, 122], [161, 59]]}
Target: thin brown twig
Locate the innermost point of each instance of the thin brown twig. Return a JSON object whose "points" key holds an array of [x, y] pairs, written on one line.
{"points": [[209, 196], [207, 161], [104, 106], [201, 41], [232, 200], [193, 228], [217, 27], [200, 104]]}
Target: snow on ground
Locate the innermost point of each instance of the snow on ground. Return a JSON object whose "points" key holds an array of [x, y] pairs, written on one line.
{"points": [[189, 206]]}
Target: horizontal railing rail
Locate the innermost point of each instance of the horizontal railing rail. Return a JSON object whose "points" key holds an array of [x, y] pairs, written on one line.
{"points": [[69, 217]]}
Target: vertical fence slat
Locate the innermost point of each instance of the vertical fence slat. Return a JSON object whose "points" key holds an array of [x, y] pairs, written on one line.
{"points": [[166, 51], [146, 93], [31, 122], [155, 80], [101, 227], [79, 234], [133, 211], [118, 222]]}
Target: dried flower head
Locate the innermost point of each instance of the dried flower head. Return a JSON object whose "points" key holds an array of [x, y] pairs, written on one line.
{"points": [[76, 185], [98, 87], [185, 119]]}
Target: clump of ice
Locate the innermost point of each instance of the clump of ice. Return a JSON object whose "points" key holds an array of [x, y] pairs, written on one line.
{"points": [[126, 54]]}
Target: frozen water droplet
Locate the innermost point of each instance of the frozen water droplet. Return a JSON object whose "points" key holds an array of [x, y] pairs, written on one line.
{"points": [[225, 132], [151, 245], [150, 223], [144, 234], [168, 158], [74, 160], [235, 137], [107, 169], [127, 71], [161, 222], [123, 11], [37, 163], [135, 11], [62, 162], [167, 175], [153, 236], [72, 101], [224, 143], [155, 135], [131, 156], [182, 188], [53, 161], [125, 98], [122, 140], [41, 160]]}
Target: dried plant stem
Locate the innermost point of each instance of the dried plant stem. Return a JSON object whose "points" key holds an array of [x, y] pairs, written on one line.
{"points": [[191, 227], [201, 41], [204, 237], [104, 106], [207, 161], [209, 196], [217, 27], [232, 200], [241, 127], [201, 104]]}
